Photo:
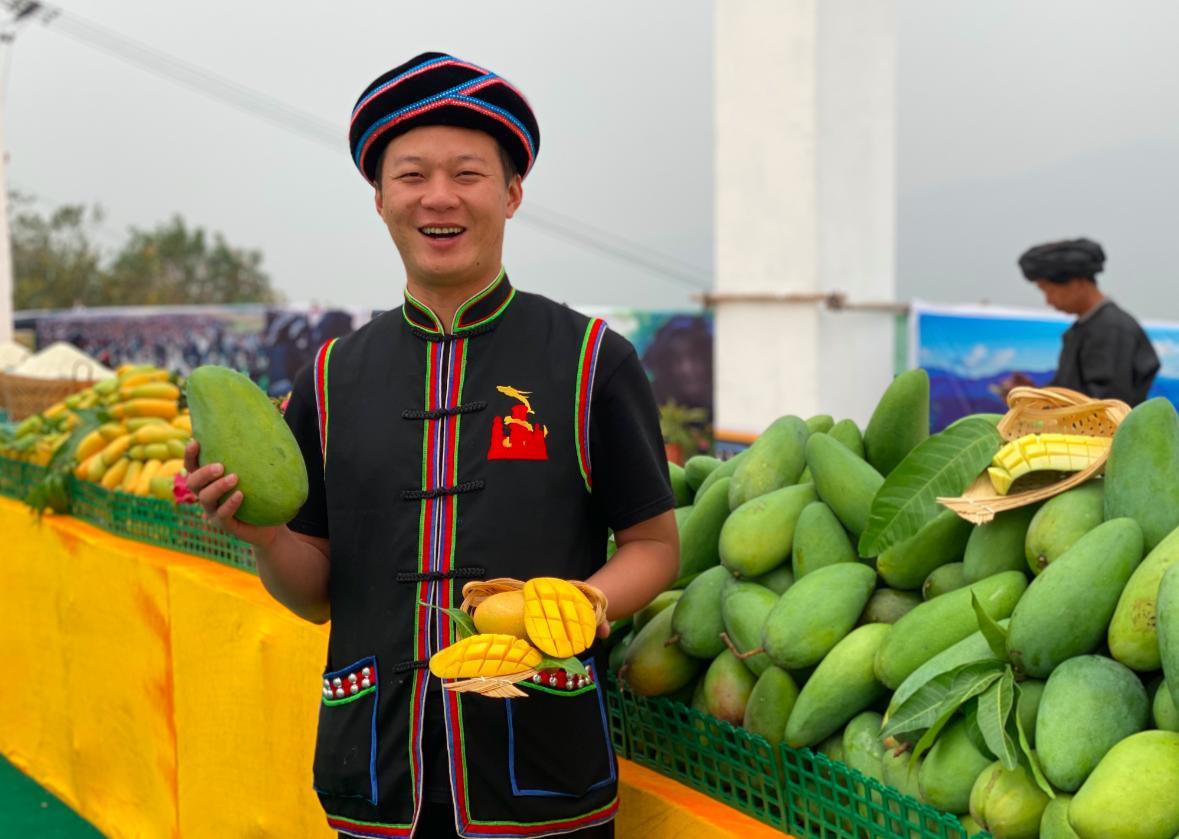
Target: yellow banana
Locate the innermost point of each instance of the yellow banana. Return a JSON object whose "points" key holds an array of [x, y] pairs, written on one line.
{"points": [[1044, 452]]}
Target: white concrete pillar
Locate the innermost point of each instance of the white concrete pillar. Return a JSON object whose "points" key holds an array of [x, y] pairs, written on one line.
{"points": [[805, 129]]}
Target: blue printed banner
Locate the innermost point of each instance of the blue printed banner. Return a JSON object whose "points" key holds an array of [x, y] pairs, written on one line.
{"points": [[972, 352]]}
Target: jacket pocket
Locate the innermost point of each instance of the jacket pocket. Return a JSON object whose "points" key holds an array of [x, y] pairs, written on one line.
{"points": [[559, 740], [346, 743]]}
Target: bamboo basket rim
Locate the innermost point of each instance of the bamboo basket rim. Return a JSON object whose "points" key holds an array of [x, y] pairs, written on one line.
{"points": [[979, 503], [23, 396], [476, 591]]}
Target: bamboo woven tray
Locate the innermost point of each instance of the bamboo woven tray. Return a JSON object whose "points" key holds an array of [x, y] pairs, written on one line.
{"points": [[1049, 410]]}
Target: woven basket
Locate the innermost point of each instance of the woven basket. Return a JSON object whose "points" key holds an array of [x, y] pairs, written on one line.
{"points": [[1049, 410], [24, 396], [504, 687]]}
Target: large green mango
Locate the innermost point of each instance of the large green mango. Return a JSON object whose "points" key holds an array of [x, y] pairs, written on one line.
{"points": [[816, 613], [1169, 630], [238, 426], [775, 460], [1067, 609], [894, 767], [1133, 631], [700, 537], [663, 600], [744, 609], [819, 540], [820, 423], [950, 770], [942, 539], [1007, 802], [1061, 522], [943, 579], [900, 421], [727, 685], [847, 432], [653, 667], [862, 747], [1089, 704], [770, 703], [1132, 792], [776, 580], [697, 468], [758, 535], [998, 545], [1142, 473], [1163, 711], [724, 470], [1054, 822], [888, 605], [971, 649], [1031, 691], [844, 482], [679, 485], [842, 685], [940, 623], [697, 623]]}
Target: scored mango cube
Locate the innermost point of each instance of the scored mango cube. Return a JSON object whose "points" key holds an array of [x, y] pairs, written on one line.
{"points": [[1044, 452], [484, 655], [559, 619]]}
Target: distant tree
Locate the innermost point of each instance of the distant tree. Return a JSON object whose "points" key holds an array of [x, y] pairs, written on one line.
{"points": [[55, 263], [175, 264]]}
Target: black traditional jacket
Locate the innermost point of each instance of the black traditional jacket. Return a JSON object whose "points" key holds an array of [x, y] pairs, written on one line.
{"points": [[1106, 355], [504, 447]]}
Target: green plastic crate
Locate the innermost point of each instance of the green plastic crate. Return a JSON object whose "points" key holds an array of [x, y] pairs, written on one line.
{"points": [[828, 800], [614, 716], [719, 759]]}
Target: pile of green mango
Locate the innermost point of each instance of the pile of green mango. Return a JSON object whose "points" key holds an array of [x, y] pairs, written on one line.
{"points": [[777, 624]]}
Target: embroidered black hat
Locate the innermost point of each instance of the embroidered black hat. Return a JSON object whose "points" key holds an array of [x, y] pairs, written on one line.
{"points": [[1059, 262], [439, 89]]}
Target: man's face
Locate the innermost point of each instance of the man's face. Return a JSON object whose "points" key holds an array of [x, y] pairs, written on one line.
{"points": [[1066, 297], [441, 193]]}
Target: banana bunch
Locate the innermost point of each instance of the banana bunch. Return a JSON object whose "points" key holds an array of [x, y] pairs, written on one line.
{"points": [[138, 451], [1044, 452], [518, 629]]}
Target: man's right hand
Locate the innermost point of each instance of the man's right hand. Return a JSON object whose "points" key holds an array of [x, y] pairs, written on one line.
{"points": [[210, 484]]}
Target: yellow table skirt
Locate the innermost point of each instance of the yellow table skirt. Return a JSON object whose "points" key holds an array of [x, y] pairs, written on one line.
{"points": [[163, 695]]}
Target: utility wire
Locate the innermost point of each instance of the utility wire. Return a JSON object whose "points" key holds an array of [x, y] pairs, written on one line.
{"points": [[324, 132]]}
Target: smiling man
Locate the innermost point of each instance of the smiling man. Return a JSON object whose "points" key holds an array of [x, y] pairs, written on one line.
{"points": [[474, 432], [1104, 354]]}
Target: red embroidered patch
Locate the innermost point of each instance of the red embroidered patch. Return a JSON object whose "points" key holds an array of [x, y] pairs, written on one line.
{"points": [[515, 437]]}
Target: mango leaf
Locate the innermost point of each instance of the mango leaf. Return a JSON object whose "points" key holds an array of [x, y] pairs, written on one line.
{"points": [[929, 703], [994, 709], [571, 664], [943, 465], [463, 622], [1029, 757], [996, 635]]}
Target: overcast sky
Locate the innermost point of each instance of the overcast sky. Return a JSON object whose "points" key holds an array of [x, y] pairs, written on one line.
{"points": [[1018, 121]]}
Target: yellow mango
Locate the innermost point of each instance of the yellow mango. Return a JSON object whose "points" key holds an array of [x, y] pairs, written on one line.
{"points": [[559, 618], [116, 448], [144, 377], [170, 467], [484, 655], [163, 408], [156, 451], [158, 432], [176, 447], [151, 390], [149, 471], [96, 469], [502, 614], [183, 422], [114, 475], [90, 444], [131, 476]]}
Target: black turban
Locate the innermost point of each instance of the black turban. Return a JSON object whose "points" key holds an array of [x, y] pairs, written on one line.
{"points": [[439, 89], [1059, 262]]}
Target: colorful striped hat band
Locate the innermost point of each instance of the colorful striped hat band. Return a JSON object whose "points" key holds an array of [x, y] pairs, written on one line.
{"points": [[438, 89]]}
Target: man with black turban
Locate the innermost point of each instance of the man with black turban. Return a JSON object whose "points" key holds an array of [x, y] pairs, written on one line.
{"points": [[474, 432], [1105, 353]]}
